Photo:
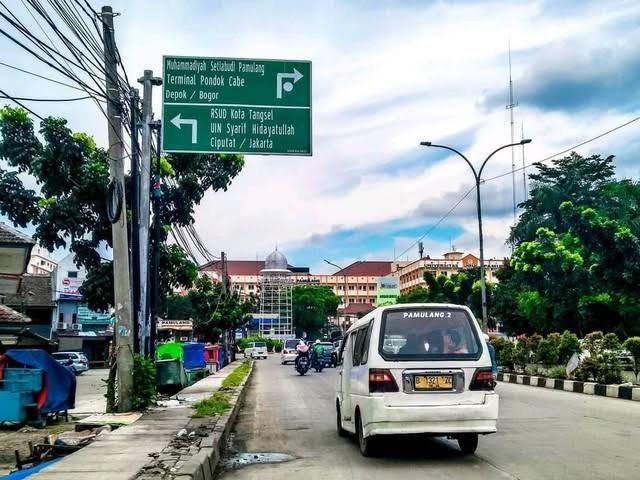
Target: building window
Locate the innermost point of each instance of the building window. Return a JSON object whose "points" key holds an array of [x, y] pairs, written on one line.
{"points": [[352, 287], [251, 287], [61, 317], [351, 300], [72, 274], [372, 287], [74, 318]]}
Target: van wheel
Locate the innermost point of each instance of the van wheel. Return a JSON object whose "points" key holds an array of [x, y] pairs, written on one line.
{"points": [[366, 444], [341, 431], [468, 443]]}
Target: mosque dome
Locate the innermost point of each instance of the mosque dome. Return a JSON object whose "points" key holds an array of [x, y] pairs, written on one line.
{"points": [[276, 261]]}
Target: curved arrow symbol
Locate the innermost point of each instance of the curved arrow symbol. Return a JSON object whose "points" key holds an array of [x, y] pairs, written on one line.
{"points": [[178, 122], [295, 76]]}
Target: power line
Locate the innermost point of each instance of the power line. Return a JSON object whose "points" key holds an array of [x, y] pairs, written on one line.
{"points": [[546, 159], [41, 76], [21, 104], [28, 99]]}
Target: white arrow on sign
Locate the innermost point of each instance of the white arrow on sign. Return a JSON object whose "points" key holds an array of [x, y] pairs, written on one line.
{"points": [[287, 86], [178, 122]]}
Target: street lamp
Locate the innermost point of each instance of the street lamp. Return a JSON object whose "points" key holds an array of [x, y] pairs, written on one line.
{"points": [[344, 277], [477, 176]]}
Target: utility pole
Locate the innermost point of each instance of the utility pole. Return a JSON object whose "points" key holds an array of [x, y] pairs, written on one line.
{"points": [[121, 280], [157, 225], [147, 81], [524, 167], [135, 221]]}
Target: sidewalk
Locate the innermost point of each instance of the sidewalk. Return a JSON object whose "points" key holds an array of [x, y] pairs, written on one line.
{"points": [[121, 454]]}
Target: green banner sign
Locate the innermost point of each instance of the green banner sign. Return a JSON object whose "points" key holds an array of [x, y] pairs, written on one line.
{"points": [[388, 290], [234, 105]]}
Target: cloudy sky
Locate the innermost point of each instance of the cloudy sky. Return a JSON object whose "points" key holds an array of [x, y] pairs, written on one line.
{"points": [[387, 75]]}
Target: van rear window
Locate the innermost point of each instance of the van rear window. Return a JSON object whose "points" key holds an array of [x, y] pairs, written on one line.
{"points": [[291, 344], [260, 345], [428, 334]]}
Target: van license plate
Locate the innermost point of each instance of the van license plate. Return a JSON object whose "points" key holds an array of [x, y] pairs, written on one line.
{"points": [[433, 382]]}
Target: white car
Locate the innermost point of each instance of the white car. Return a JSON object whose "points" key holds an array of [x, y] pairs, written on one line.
{"points": [[256, 350], [76, 360], [416, 369], [289, 352]]}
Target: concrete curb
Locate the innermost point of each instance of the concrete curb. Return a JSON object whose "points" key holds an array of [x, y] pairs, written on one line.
{"points": [[590, 388], [202, 460]]}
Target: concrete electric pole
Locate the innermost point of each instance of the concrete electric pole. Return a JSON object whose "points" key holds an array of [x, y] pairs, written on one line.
{"points": [[147, 81], [121, 281]]}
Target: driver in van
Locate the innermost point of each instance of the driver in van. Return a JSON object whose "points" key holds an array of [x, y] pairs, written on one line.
{"points": [[453, 342]]}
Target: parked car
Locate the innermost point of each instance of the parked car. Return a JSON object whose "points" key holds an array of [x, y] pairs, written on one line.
{"points": [[256, 350], [76, 360], [289, 351], [439, 382]]}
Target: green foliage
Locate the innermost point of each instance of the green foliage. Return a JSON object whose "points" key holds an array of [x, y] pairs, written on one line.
{"points": [[603, 364], [144, 382], [547, 352], [569, 344], [216, 404], [273, 344], [462, 288], [632, 345], [311, 305], [237, 377], [504, 351], [558, 371], [69, 209], [576, 258]]}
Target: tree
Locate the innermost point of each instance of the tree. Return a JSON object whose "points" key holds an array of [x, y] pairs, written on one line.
{"points": [[632, 345], [576, 258], [69, 208], [214, 309], [312, 305], [461, 288]]}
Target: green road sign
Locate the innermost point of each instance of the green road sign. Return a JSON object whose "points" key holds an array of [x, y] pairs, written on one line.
{"points": [[235, 105]]}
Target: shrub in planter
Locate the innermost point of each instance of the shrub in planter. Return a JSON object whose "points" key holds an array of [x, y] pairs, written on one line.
{"points": [[557, 372], [522, 353], [547, 352], [569, 344], [632, 345], [504, 351], [610, 369], [589, 369]]}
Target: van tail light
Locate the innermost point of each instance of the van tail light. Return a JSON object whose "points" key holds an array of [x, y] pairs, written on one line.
{"points": [[482, 380], [381, 381]]}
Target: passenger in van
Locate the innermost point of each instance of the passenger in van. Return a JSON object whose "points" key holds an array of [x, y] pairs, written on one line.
{"points": [[434, 343], [453, 343], [414, 345]]}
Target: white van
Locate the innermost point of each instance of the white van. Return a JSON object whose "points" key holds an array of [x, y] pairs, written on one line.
{"points": [[416, 368], [256, 350]]}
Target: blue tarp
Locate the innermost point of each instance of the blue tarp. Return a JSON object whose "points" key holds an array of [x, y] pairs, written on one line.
{"points": [[27, 472], [193, 355], [59, 381]]}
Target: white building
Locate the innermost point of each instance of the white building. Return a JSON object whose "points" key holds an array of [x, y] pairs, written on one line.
{"points": [[40, 262]]}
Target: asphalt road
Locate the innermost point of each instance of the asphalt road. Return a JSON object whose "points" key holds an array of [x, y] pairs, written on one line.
{"points": [[541, 434], [90, 390]]}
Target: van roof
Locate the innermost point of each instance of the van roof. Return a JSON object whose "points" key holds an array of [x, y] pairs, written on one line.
{"points": [[397, 306]]}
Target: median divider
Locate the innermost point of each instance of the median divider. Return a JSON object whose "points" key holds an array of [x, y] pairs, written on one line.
{"points": [[626, 392]]}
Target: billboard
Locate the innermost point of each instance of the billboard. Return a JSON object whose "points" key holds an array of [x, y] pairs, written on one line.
{"points": [[388, 290]]}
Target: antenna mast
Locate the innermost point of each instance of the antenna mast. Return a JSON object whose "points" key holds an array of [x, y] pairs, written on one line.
{"points": [[510, 107], [524, 172]]}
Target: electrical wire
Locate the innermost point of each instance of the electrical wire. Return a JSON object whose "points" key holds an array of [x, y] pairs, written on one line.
{"points": [[28, 99], [546, 159], [41, 76]]}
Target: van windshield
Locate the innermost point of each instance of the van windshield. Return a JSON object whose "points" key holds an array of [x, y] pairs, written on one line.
{"points": [[291, 344], [259, 345], [429, 334]]}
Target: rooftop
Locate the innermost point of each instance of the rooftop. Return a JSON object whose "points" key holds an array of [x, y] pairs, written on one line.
{"points": [[9, 315], [244, 267], [35, 291], [11, 235], [366, 269]]}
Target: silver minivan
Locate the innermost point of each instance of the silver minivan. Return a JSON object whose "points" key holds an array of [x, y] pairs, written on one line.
{"points": [[416, 369]]}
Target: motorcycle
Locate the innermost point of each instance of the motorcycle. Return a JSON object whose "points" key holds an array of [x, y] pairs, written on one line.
{"points": [[302, 362], [316, 362]]}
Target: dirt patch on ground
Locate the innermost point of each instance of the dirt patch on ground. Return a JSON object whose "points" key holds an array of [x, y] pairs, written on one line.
{"points": [[18, 438]]}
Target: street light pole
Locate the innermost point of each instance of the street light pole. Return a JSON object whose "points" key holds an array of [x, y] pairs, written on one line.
{"points": [[477, 175], [345, 284]]}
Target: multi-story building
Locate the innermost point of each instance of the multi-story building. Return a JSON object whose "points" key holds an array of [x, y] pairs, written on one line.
{"points": [[412, 274], [356, 283], [40, 263]]}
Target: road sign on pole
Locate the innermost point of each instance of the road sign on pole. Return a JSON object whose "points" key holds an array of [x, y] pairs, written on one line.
{"points": [[235, 105]]}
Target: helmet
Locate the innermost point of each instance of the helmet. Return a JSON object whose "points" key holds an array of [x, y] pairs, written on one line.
{"points": [[317, 341]]}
